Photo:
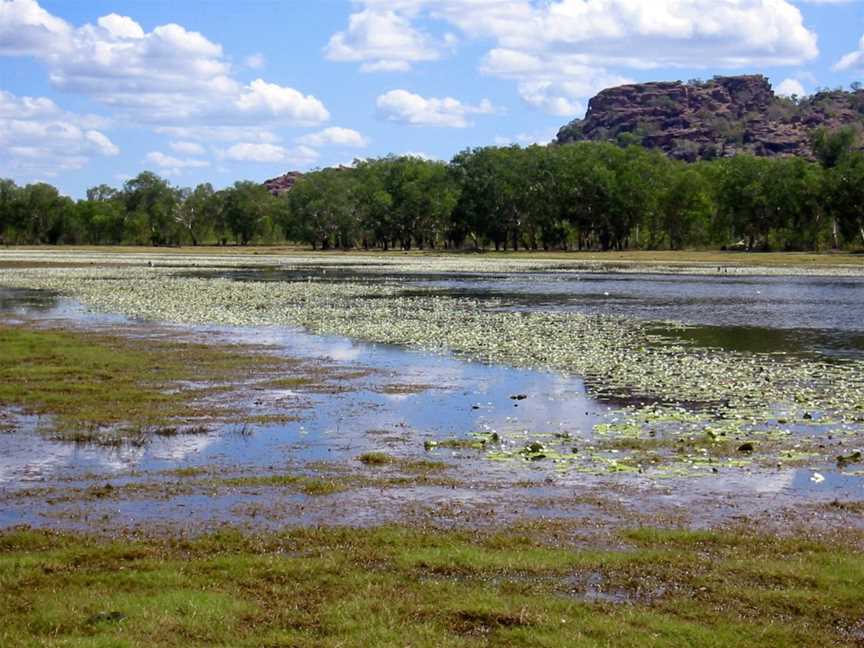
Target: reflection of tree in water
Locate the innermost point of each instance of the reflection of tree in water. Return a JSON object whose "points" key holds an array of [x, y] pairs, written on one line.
{"points": [[40, 301]]}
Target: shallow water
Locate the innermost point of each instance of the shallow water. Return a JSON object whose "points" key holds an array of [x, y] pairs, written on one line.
{"points": [[792, 314], [448, 397]]}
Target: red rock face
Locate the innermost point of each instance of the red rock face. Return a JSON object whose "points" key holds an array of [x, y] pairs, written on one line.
{"points": [[282, 184], [716, 118]]}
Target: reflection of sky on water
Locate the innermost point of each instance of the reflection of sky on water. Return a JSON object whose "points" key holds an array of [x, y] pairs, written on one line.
{"points": [[466, 396], [462, 397]]}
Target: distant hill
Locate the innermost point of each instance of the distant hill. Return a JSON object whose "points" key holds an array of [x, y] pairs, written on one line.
{"points": [[716, 118], [282, 184]]}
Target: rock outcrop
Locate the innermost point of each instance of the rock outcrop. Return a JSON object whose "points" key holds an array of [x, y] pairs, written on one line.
{"points": [[716, 118], [282, 184]]}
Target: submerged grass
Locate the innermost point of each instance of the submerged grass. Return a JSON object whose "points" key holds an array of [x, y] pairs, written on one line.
{"points": [[104, 388], [765, 399], [396, 586]]}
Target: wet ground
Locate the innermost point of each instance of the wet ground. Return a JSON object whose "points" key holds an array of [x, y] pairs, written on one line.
{"points": [[415, 406]]}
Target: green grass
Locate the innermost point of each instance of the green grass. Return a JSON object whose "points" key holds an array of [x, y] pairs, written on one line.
{"points": [[91, 385], [780, 259], [378, 459], [375, 458], [394, 586], [305, 485]]}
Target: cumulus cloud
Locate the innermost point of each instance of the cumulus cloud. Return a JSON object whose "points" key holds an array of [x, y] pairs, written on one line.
{"points": [[26, 29], [852, 60], [170, 165], [38, 137], [187, 148], [791, 88], [559, 52], [166, 76], [219, 133], [632, 32], [555, 84], [409, 108], [382, 40], [271, 100], [265, 152], [336, 136], [101, 142]]}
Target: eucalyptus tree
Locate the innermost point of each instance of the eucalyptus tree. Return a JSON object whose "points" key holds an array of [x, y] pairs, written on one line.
{"points": [[374, 204], [794, 195], [845, 185], [199, 212], [831, 147], [9, 208], [638, 177], [44, 214], [152, 206], [422, 199], [322, 209], [103, 215], [685, 207], [485, 204], [744, 207], [247, 208]]}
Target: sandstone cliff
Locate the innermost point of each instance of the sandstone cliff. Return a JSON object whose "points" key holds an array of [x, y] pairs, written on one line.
{"points": [[282, 184], [716, 118]]}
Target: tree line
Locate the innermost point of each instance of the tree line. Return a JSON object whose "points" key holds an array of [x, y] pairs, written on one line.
{"points": [[580, 196]]}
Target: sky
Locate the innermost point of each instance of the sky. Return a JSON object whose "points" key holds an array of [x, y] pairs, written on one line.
{"points": [[218, 90]]}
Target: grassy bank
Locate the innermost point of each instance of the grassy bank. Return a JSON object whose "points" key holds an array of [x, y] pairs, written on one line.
{"points": [[397, 586], [102, 387], [646, 257]]}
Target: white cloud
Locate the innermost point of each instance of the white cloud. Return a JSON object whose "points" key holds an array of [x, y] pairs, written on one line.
{"points": [[104, 145], [121, 26], [255, 61], [525, 139], [635, 33], [420, 155], [852, 60], [271, 100], [264, 152], [556, 85], [38, 137], [167, 76], [28, 30], [409, 108], [170, 165], [219, 133], [790, 87], [559, 51], [187, 148], [382, 40], [336, 136]]}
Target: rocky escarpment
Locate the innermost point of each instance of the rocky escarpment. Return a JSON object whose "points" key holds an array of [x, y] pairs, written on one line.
{"points": [[716, 118], [282, 184]]}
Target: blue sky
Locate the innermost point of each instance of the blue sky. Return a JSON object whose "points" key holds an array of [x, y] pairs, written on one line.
{"points": [[95, 92]]}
